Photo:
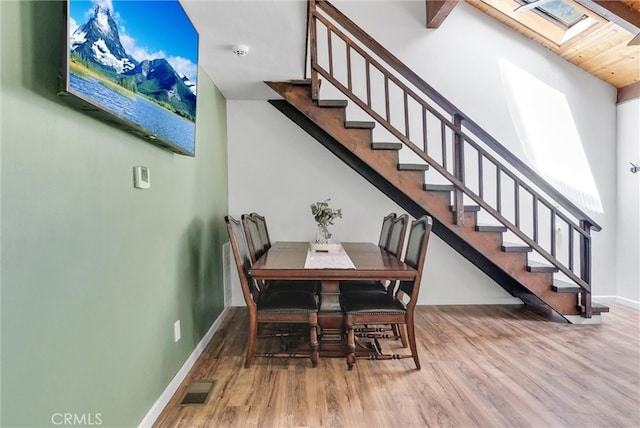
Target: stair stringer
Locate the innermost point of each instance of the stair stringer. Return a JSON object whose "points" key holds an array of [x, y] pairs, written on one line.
{"points": [[353, 146]]}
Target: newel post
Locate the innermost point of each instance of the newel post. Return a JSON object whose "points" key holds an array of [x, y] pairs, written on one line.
{"points": [[314, 49], [458, 168], [585, 267]]}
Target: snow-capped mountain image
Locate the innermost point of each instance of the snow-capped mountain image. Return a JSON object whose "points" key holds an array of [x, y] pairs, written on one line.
{"points": [[156, 78], [97, 54], [98, 40]]}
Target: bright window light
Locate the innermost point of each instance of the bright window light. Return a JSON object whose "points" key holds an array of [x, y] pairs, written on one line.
{"points": [[549, 137], [557, 11], [577, 29], [562, 12]]}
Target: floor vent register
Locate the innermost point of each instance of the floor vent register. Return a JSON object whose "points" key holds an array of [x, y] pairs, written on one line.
{"points": [[197, 393]]}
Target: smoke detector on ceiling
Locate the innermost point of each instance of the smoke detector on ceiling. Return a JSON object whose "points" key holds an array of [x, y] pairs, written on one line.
{"points": [[240, 50]]}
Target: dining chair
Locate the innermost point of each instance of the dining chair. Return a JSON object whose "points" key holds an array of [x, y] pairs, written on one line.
{"points": [[257, 247], [262, 230], [397, 233], [387, 221], [255, 244], [396, 309], [282, 307], [396, 242], [395, 229]]}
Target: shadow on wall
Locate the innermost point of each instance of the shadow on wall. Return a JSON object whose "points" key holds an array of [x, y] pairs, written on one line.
{"points": [[202, 273], [43, 66]]}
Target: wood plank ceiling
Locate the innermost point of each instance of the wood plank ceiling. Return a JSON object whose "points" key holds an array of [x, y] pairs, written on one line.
{"points": [[602, 49]]}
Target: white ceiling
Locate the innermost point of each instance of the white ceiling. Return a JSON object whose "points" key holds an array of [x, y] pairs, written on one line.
{"points": [[274, 31]]}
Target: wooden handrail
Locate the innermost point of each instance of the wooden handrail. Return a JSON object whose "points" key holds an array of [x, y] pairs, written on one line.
{"points": [[459, 125], [444, 121], [450, 108]]}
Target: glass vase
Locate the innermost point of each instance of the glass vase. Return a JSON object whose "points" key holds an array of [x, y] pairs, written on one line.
{"points": [[323, 236]]}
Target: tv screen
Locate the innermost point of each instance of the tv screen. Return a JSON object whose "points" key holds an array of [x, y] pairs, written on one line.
{"points": [[134, 64]]}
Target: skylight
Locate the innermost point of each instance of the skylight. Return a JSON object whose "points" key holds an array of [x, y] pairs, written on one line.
{"points": [[560, 12], [556, 20]]}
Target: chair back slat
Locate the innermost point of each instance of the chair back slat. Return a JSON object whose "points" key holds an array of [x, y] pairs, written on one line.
{"points": [[252, 234], [243, 261], [387, 221], [415, 254], [397, 234], [263, 230]]}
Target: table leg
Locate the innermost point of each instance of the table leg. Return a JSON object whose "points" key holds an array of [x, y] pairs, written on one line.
{"points": [[331, 321], [332, 341]]}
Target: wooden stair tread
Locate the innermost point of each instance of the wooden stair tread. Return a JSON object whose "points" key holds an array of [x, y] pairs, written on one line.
{"points": [[510, 247], [533, 266], [413, 167], [439, 187], [596, 308], [466, 208], [490, 228], [333, 103], [559, 286], [359, 124], [386, 146], [300, 82]]}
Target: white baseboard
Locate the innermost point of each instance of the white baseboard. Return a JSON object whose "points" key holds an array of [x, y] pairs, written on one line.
{"points": [[177, 380], [617, 299]]}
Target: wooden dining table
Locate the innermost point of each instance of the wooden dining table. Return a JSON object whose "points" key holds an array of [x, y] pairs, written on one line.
{"points": [[285, 260]]}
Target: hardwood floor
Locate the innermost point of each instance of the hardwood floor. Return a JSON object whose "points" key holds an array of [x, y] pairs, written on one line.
{"points": [[482, 366]]}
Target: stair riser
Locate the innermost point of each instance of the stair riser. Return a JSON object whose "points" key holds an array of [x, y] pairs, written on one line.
{"points": [[470, 219]]}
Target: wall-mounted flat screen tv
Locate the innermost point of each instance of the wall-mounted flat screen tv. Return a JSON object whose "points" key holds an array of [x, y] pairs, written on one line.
{"points": [[134, 64]]}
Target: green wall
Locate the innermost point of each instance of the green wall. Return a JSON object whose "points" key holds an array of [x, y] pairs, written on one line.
{"points": [[94, 273]]}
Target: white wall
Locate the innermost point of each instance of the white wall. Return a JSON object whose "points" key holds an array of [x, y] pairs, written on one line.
{"points": [[628, 250], [276, 169]]}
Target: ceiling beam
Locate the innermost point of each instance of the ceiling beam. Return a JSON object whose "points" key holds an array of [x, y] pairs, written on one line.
{"points": [[438, 10], [616, 12], [629, 92]]}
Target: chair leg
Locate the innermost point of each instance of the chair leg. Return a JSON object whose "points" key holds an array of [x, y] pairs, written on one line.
{"points": [[251, 345], [402, 332], [412, 341], [313, 339], [351, 345]]}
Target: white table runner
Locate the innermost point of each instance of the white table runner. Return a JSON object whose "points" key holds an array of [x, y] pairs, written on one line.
{"points": [[328, 260]]}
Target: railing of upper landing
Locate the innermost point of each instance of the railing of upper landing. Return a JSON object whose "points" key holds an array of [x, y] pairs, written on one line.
{"points": [[459, 150]]}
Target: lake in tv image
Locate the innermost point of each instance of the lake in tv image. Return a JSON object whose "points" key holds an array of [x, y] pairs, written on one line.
{"points": [[123, 59]]}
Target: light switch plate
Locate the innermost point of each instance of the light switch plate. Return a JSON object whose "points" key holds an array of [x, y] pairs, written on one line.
{"points": [[176, 331], [141, 177]]}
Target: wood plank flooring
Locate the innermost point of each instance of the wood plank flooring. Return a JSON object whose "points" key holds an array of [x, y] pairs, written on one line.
{"points": [[482, 366]]}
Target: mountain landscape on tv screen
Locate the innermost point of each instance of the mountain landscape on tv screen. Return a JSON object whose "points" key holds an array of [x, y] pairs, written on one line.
{"points": [[97, 52]]}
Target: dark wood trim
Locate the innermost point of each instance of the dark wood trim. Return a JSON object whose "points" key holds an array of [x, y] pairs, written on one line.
{"points": [[616, 12], [629, 92], [438, 10], [307, 66]]}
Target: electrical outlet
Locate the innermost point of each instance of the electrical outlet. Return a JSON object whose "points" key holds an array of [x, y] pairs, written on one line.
{"points": [[176, 331]]}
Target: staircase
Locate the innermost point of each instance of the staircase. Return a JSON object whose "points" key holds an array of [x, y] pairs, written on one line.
{"points": [[478, 180]]}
